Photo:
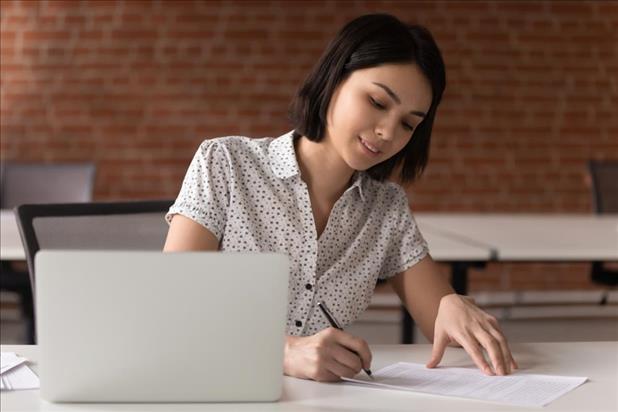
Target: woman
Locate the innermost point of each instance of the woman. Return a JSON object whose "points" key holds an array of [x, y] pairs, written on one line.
{"points": [[320, 195]]}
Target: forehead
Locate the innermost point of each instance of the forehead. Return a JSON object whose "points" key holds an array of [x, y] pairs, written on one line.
{"points": [[406, 80]]}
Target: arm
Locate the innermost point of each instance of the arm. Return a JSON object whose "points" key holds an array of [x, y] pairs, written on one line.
{"points": [[447, 318], [186, 235], [420, 289]]}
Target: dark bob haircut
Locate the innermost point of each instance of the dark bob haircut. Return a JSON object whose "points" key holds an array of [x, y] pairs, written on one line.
{"points": [[369, 41]]}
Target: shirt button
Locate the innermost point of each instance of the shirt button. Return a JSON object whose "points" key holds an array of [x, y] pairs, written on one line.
{"points": [[299, 324], [308, 286]]}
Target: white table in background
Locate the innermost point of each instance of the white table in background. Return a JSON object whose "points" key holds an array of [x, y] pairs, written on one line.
{"points": [[528, 237], [446, 248], [596, 360], [532, 237], [11, 247]]}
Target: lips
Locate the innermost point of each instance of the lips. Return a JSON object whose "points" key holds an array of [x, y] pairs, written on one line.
{"points": [[371, 148]]}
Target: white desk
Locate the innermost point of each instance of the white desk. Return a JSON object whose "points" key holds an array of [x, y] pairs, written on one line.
{"points": [[596, 360], [532, 237], [447, 248], [11, 247]]}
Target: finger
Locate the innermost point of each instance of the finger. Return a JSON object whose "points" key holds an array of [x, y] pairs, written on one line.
{"points": [[504, 348], [326, 375], [357, 345], [440, 343], [346, 357], [473, 348], [340, 370], [493, 349], [510, 358]]}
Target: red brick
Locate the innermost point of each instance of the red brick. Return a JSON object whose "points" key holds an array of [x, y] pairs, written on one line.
{"points": [[190, 34], [34, 36], [7, 51], [580, 8], [15, 20], [465, 6], [131, 35], [197, 19], [75, 20], [91, 35], [523, 7]]}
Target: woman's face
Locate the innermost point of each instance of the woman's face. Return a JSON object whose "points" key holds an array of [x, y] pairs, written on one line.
{"points": [[373, 113]]}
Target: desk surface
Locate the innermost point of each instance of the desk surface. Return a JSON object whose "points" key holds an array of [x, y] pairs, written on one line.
{"points": [[531, 237], [596, 360]]}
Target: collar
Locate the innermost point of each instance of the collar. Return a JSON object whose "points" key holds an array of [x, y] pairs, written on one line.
{"points": [[282, 157], [282, 160], [359, 181]]}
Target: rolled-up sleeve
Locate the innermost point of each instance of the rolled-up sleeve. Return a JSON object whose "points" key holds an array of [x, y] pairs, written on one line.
{"points": [[205, 193]]}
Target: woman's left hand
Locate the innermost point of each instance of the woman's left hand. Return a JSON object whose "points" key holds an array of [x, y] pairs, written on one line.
{"points": [[460, 321]]}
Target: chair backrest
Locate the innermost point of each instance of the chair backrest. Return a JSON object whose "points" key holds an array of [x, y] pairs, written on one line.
{"points": [[604, 175], [136, 225], [22, 183]]}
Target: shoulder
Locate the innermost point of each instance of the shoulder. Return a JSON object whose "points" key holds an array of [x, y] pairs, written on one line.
{"points": [[387, 201], [386, 194], [234, 149], [230, 144]]}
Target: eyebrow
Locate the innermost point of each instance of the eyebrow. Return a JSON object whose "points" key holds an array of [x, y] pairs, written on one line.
{"points": [[394, 96]]}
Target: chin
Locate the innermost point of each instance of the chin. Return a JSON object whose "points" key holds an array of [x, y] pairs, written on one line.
{"points": [[359, 166]]}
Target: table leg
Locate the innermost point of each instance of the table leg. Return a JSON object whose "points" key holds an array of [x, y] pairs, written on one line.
{"points": [[459, 277]]}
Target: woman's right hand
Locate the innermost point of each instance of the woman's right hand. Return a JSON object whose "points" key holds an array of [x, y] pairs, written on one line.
{"points": [[326, 356]]}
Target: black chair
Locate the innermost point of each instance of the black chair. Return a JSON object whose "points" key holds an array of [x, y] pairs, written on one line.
{"points": [[38, 183], [604, 179], [129, 225], [22, 183]]}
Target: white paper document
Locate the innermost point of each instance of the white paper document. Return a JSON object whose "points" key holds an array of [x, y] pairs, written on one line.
{"points": [[9, 360], [515, 389], [15, 374]]}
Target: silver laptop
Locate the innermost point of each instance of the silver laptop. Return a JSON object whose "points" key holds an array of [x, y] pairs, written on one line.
{"points": [[129, 326]]}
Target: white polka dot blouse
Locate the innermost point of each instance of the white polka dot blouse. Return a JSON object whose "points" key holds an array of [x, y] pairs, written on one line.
{"points": [[249, 193]]}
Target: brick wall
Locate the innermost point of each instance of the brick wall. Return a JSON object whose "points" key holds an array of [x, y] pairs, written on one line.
{"points": [[135, 86]]}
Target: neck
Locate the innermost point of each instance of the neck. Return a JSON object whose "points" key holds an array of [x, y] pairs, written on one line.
{"points": [[322, 169]]}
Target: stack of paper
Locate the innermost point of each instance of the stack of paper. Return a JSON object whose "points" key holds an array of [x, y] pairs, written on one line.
{"points": [[15, 374], [516, 389]]}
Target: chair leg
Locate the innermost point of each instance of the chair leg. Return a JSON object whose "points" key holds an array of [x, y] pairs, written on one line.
{"points": [[27, 307]]}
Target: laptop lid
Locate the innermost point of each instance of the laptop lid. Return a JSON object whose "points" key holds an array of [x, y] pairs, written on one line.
{"points": [[133, 326]]}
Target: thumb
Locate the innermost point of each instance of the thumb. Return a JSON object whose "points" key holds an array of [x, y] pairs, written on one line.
{"points": [[439, 345]]}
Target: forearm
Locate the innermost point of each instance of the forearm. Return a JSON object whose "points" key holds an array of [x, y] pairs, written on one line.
{"points": [[420, 289]]}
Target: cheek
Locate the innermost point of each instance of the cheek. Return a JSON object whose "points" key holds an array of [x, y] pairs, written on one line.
{"points": [[350, 113]]}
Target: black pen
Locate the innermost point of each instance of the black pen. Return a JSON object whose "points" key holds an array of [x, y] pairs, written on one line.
{"points": [[333, 322]]}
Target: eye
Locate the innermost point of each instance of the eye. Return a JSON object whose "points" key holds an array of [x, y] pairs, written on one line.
{"points": [[376, 104], [380, 106]]}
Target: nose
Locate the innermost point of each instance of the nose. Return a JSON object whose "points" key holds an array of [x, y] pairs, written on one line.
{"points": [[385, 132]]}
